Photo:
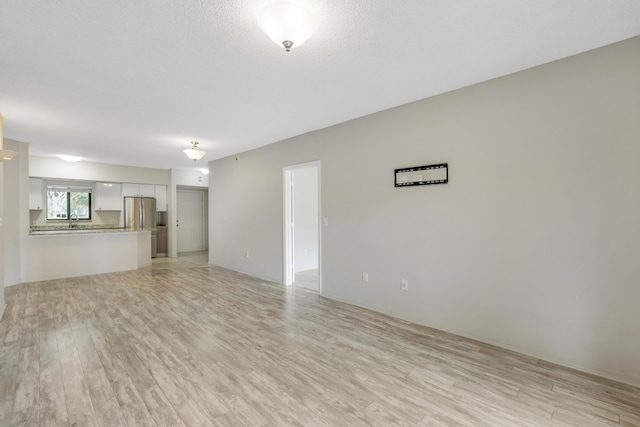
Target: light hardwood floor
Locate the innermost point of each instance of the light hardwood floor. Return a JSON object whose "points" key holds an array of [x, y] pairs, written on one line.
{"points": [[308, 279], [182, 343]]}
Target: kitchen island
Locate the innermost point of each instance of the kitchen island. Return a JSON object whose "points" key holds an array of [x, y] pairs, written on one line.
{"points": [[80, 252]]}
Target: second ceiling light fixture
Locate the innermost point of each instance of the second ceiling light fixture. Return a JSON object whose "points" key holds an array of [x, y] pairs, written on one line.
{"points": [[194, 153]]}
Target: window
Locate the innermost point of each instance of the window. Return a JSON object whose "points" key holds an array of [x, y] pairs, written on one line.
{"points": [[65, 202]]}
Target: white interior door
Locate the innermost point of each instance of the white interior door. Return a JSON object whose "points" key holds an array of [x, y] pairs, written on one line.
{"points": [[190, 221]]}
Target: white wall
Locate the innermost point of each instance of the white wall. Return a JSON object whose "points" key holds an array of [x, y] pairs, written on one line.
{"points": [[189, 178], [16, 213], [51, 167], [305, 213], [534, 243]]}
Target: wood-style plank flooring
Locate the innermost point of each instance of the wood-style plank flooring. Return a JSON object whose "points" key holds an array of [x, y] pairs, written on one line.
{"points": [[308, 279], [182, 343]]}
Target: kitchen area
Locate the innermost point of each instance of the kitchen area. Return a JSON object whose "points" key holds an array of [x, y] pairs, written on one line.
{"points": [[82, 227], [87, 228], [59, 207]]}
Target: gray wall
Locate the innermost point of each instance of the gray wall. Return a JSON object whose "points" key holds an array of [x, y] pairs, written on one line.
{"points": [[534, 243]]}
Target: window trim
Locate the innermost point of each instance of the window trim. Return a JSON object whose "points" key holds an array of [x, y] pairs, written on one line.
{"points": [[68, 187]]}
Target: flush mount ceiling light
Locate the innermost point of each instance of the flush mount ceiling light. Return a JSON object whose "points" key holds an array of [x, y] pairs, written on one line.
{"points": [[287, 24], [6, 155], [71, 159], [194, 153]]}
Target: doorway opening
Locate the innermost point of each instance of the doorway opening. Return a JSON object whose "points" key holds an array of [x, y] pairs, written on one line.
{"points": [[302, 239]]}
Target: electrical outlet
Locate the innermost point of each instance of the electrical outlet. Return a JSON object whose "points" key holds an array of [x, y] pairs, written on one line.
{"points": [[365, 276], [404, 285], [247, 254]]}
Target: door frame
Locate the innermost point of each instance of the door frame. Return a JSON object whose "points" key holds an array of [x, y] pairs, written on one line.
{"points": [[288, 263]]}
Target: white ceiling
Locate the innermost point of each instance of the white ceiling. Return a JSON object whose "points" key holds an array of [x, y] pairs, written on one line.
{"points": [[133, 82]]}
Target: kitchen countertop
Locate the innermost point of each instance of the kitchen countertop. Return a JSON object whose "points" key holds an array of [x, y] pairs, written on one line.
{"points": [[56, 231]]}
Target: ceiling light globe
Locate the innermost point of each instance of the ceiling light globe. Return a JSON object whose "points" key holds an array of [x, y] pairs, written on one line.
{"points": [[194, 153], [287, 24]]}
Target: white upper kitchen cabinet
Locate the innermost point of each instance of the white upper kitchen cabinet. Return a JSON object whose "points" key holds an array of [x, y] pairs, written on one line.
{"points": [[147, 190], [140, 190], [108, 196], [161, 198], [130, 189], [36, 200]]}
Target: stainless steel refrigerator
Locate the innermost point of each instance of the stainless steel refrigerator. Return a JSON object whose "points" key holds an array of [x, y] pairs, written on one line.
{"points": [[140, 214]]}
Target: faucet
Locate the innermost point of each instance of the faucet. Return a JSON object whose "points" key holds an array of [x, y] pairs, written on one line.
{"points": [[71, 224]]}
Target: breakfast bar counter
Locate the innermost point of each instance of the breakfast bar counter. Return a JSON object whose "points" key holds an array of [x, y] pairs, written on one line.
{"points": [[69, 253]]}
